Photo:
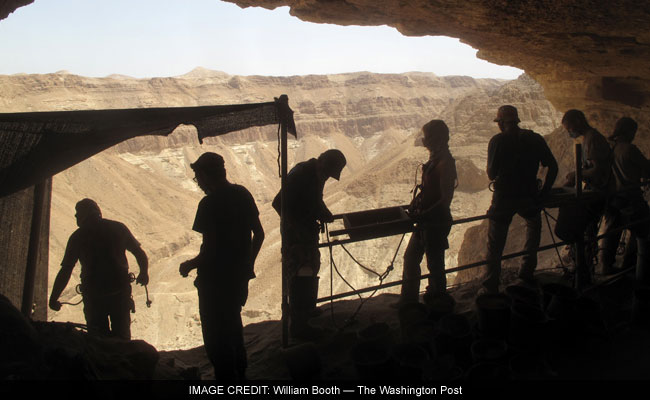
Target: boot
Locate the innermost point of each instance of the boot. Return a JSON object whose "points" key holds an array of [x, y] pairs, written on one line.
{"points": [[301, 302], [607, 256], [313, 297], [642, 262]]}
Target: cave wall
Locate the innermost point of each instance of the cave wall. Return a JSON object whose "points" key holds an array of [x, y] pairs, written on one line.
{"points": [[590, 55]]}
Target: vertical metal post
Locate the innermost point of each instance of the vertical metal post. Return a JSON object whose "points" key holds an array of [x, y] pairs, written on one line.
{"points": [[283, 109], [582, 273], [34, 248]]}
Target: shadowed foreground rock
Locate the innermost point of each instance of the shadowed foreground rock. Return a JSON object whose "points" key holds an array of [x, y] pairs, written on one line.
{"points": [[53, 350]]}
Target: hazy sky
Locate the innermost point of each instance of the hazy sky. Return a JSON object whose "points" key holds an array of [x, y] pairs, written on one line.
{"points": [[147, 38]]}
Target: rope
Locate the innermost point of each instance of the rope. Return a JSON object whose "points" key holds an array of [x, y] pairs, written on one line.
{"points": [[333, 266], [279, 153], [132, 279], [78, 290], [550, 230]]}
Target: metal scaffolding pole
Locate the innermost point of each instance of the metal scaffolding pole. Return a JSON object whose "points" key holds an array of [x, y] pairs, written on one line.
{"points": [[284, 114]]}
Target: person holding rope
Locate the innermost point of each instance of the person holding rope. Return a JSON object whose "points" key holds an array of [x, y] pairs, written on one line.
{"points": [[514, 158], [627, 206], [430, 208], [580, 222], [100, 245], [305, 208]]}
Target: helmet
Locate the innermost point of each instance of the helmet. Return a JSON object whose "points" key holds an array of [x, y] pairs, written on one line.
{"points": [[334, 161], [436, 129], [507, 114]]}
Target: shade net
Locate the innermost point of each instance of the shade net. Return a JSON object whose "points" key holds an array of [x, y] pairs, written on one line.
{"points": [[35, 146]]}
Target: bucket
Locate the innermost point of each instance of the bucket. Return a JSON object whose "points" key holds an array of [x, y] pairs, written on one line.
{"points": [[526, 366], [489, 350], [488, 373], [559, 301], [518, 293], [493, 315], [378, 333], [588, 312], [641, 308], [372, 361], [527, 325], [302, 361], [439, 306], [423, 334], [411, 360], [411, 313], [455, 337]]}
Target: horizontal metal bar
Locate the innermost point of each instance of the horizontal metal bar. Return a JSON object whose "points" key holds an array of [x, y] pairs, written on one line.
{"points": [[470, 266]]}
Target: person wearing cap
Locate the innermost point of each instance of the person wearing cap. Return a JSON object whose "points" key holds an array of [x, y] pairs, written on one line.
{"points": [[306, 210], [514, 158], [627, 206], [100, 246], [580, 222], [430, 208], [228, 220]]}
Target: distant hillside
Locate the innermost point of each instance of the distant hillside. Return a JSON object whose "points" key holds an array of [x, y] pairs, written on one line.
{"points": [[373, 118]]}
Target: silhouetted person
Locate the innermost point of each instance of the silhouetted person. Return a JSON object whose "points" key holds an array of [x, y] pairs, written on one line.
{"points": [[226, 217], [430, 208], [100, 246], [305, 208], [627, 206], [581, 222], [514, 158]]}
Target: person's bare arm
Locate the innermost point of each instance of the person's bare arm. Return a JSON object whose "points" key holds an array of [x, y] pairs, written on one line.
{"points": [[258, 239], [143, 263], [60, 282]]}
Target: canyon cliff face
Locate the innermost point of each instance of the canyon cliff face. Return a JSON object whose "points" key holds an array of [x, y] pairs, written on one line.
{"points": [[374, 119], [587, 55]]}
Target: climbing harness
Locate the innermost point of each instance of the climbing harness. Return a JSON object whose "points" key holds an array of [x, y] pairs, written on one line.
{"points": [[132, 279]]}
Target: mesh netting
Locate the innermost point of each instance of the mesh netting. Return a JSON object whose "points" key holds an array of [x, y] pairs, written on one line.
{"points": [[35, 146]]}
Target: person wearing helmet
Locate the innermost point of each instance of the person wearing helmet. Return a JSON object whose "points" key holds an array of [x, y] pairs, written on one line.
{"points": [[430, 208], [629, 167], [228, 220], [514, 158], [305, 211], [100, 245], [579, 222]]}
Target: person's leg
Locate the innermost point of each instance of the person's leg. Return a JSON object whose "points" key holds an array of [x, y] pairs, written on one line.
{"points": [[411, 273], [120, 315], [641, 231], [608, 245], [96, 314], [533, 219], [215, 338], [435, 241], [500, 215]]}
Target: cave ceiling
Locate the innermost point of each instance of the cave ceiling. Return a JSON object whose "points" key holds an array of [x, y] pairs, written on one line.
{"points": [[592, 55]]}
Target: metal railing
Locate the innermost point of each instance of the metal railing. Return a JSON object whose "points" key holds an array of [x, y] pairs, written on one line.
{"points": [[569, 197]]}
